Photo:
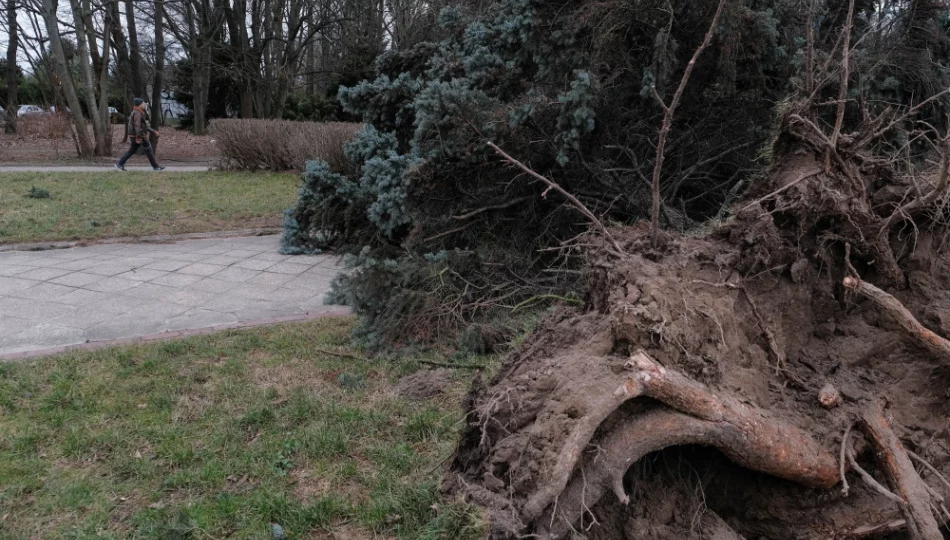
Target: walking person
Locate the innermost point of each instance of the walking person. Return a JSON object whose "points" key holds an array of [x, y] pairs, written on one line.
{"points": [[138, 136]]}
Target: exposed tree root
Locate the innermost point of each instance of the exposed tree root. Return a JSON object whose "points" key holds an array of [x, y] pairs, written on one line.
{"points": [[902, 315], [746, 434], [921, 523]]}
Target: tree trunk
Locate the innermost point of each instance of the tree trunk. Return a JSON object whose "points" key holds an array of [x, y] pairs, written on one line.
{"points": [[12, 79], [135, 55], [122, 61], [65, 79], [158, 119], [88, 78], [201, 82], [104, 141]]}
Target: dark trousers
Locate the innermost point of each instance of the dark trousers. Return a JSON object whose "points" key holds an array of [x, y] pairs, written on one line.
{"points": [[133, 148]]}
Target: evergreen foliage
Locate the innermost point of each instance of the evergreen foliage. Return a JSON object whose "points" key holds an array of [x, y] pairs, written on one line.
{"points": [[442, 232]]}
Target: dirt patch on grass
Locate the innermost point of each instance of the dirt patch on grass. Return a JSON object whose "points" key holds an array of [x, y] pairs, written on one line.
{"points": [[424, 384]]}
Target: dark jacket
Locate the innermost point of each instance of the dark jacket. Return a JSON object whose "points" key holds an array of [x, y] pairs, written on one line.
{"points": [[138, 127]]}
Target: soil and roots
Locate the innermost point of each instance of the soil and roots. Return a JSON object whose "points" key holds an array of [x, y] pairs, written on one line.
{"points": [[791, 360]]}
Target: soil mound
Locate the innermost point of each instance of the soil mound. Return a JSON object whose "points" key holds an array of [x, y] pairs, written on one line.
{"points": [[726, 384]]}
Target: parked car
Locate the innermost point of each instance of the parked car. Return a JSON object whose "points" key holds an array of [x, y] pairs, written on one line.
{"points": [[27, 110], [53, 109]]}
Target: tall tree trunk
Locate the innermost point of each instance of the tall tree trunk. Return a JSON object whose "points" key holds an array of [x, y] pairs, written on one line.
{"points": [[135, 55], [312, 68], [91, 35], [65, 79], [158, 119], [105, 138], [12, 79], [123, 64], [88, 78]]}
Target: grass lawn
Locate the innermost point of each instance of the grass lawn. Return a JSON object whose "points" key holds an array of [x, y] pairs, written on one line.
{"points": [[222, 436], [91, 205]]}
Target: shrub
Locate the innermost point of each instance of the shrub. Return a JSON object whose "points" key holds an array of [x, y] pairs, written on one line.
{"points": [[280, 145], [44, 126]]}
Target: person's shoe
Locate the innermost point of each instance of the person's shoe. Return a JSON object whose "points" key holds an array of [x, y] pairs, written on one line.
{"points": [[120, 167], [159, 168]]}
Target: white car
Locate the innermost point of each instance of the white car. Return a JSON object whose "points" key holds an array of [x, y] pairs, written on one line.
{"points": [[27, 110], [113, 110]]}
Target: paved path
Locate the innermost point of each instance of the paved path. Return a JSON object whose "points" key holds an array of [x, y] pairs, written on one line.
{"points": [[99, 168], [105, 292]]}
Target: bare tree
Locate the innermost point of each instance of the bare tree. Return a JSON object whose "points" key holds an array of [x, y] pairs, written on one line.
{"points": [[158, 80], [12, 79], [100, 128], [64, 79]]}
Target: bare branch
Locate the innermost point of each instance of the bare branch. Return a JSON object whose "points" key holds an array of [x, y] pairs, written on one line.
{"points": [[843, 86], [614, 247], [668, 112]]}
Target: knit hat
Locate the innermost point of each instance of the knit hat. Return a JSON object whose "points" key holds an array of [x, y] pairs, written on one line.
{"points": [[137, 101]]}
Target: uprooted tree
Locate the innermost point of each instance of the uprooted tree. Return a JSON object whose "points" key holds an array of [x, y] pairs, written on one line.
{"points": [[775, 371]]}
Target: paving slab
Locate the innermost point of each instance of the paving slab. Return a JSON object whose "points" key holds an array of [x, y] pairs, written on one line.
{"points": [[78, 297]]}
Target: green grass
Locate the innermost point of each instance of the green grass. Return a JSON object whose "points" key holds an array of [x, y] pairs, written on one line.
{"points": [[89, 205], [222, 436]]}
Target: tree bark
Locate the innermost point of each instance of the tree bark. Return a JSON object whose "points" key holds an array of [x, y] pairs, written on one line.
{"points": [[158, 119], [122, 61], [106, 137], [67, 87], [135, 55], [89, 81], [12, 79]]}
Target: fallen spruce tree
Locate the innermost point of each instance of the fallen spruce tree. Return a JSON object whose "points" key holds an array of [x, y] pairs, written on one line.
{"points": [[780, 373], [755, 380]]}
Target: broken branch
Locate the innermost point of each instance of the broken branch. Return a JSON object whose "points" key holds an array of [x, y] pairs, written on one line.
{"points": [[614, 248], [902, 315]]}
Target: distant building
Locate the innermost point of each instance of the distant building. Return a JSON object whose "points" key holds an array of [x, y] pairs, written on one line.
{"points": [[171, 108]]}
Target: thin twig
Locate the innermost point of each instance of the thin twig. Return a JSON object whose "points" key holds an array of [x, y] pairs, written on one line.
{"points": [[943, 181], [448, 365], [668, 111], [872, 482], [841, 461], [929, 467], [338, 354], [614, 247], [502, 206], [782, 189], [843, 86], [912, 111]]}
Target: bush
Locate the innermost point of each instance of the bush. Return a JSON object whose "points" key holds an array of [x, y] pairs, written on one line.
{"points": [[280, 145], [44, 126]]}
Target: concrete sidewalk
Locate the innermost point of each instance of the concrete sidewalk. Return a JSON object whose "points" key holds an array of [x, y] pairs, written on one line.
{"points": [[57, 298]]}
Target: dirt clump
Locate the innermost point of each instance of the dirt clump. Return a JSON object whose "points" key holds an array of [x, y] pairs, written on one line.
{"points": [[728, 384], [424, 384]]}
